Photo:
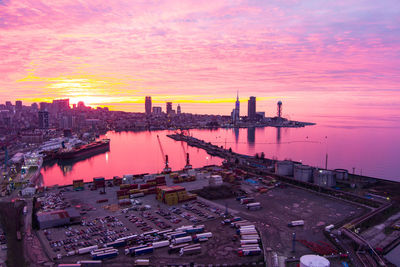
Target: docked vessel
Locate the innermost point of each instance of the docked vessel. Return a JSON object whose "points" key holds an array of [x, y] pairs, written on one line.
{"points": [[83, 151], [30, 170]]}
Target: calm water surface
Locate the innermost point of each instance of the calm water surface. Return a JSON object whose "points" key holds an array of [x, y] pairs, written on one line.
{"points": [[371, 148]]}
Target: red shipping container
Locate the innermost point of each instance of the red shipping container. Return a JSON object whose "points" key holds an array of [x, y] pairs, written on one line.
{"points": [[133, 186], [144, 186], [122, 193]]}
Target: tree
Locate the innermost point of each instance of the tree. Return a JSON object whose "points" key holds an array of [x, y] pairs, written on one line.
{"points": [[230, 150], [262, 155], [257, 157]]}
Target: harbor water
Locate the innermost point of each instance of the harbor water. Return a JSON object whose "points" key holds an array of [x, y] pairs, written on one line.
{"points": [[355, 146]]}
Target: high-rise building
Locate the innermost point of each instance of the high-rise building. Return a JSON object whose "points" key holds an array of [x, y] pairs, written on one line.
{"points": [[43, 119], [251, 108], [81, 105], [35, 106], [61, 105], [18, 105], [44, 106], [147, 105], [157, 110], [169, 107], [178, 110], [9, 105], [236, 111]]}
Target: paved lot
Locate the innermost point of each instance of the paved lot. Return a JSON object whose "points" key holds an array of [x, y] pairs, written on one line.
{"points": [[280, 206], [105, 222]]}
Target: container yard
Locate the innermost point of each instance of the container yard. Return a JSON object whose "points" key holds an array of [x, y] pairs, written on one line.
{"points": [[151, 217]]}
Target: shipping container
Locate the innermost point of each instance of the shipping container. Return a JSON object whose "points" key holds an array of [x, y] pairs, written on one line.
{"points": [[177, 234], [246, 231], [105, 255], [161, 244], [142, 262], [203, 235], [247, 237], [131, 250], [116, 243], [87, 249], [196, 230], [180, 240], [246, 200], [249, 252], [185, 251], [254, 206], [142, 251], [176, 248], [296, 223], [248, 241], [152, 232]]}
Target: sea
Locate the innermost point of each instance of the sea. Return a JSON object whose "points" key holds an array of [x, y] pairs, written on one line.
{"points": [[369, 147]]}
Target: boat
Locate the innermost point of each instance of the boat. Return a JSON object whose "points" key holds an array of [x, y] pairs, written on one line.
{"points": [[30, 170], [92, 148]]}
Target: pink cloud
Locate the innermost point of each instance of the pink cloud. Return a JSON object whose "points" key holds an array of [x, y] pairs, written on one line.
{"points": [[286, 48]]}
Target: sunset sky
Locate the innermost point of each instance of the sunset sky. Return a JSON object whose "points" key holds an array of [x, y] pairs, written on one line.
{"points": [[317, 56]]}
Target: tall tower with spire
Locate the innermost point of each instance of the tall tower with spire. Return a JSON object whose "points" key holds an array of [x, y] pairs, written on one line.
{"points": [[237, 109]]}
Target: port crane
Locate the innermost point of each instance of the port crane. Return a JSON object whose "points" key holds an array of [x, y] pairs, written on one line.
{"points": [[167, 169]]}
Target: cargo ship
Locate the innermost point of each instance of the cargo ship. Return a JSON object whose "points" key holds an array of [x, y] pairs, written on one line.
{"points": [[87, 150]]}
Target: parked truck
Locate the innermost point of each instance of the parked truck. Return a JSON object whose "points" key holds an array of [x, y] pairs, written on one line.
{"points": [[254, 206], [246, 200], [180, 240], [296, 223], [190, 251]]}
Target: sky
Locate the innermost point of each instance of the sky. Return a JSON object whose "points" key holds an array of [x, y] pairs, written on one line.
{"points": [[319, 57]]}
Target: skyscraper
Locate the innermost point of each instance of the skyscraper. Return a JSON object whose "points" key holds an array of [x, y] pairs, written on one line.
{"points": [[236, 112], [18, 105], [169, 107], [147, 105], [43, 119], [178, 109], [61, 105], [251, 108]]}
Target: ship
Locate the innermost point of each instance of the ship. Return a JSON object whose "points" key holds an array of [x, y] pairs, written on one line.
{"points": [[30, 170], [87, 150]]}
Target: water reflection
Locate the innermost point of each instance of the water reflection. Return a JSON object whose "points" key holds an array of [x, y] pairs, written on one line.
{"points": [[251, 138], [139, 152], [278, 135], [236, 131]]}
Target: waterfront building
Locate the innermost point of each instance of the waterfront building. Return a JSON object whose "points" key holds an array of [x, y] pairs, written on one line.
{"points": [[279, 109], [147, 105], [236, 110], [251, 109]]}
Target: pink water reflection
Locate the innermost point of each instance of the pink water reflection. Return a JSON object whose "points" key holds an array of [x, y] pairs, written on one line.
{"points": [[371, 151], [130, 153]]}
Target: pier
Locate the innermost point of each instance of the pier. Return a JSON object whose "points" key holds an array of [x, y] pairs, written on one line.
{"points": [[262, 168]]}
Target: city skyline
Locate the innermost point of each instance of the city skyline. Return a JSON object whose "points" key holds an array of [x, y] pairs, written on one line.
{"points": [[306, 54]]}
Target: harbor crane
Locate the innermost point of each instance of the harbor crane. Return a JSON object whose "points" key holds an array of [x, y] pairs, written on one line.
{"points": [[188, 166], [167, 169]]}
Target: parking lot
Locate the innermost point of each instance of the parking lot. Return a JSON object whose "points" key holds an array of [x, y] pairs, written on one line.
{"points": [[106, 221]]}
